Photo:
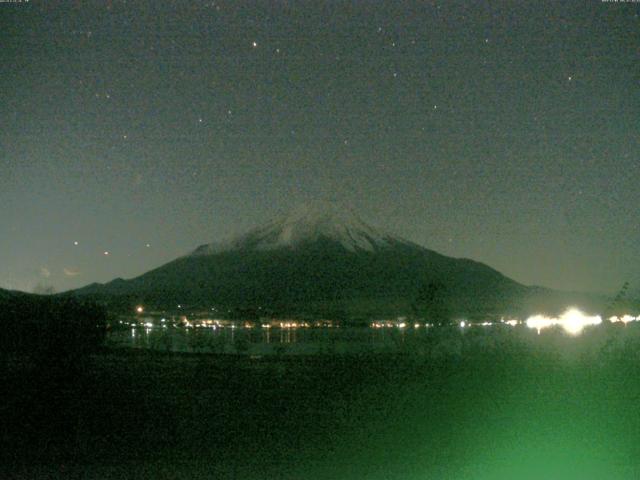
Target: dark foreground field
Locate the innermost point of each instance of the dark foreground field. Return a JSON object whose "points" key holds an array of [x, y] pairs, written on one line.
{"points": [[483, 405]]}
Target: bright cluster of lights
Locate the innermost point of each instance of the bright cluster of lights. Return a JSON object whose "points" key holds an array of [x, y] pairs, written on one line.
{"points": [[572, 321], [397, 324], [625, 319], [383, 324], [293, 324]]}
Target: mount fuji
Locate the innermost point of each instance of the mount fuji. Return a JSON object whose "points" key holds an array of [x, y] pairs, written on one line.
{"points": [[321, 260]]}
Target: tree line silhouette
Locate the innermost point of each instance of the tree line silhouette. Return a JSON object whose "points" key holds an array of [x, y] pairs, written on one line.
{"points": [[52, 328]]}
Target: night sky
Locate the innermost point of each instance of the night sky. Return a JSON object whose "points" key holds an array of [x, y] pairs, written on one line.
{"points": [[507, 133]]}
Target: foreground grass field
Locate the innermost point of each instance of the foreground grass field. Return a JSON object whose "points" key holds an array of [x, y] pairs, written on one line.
{"points": [[479, 405]]}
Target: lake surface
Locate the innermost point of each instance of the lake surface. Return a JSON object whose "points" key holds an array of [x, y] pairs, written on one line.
{"points": [[434, 342], [290, 337], [262, 341], [472, 403], [499, 404]]}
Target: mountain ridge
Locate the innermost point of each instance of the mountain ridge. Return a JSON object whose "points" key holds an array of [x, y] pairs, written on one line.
{"points": [[317, 260]]}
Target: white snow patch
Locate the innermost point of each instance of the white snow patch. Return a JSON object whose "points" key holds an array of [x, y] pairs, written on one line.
{"points": [[309, 222]]}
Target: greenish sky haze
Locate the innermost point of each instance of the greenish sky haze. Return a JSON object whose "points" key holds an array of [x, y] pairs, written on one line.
{"points": [[507, 132]]}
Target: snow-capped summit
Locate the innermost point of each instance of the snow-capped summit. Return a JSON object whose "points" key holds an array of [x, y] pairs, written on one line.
{"points": [[309, 222]]}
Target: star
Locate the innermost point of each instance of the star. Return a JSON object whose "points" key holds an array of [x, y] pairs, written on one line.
{"points": [[570, 78], [106, 253], [254, 44], [148, 245], [200, 120], [75, 243]]}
